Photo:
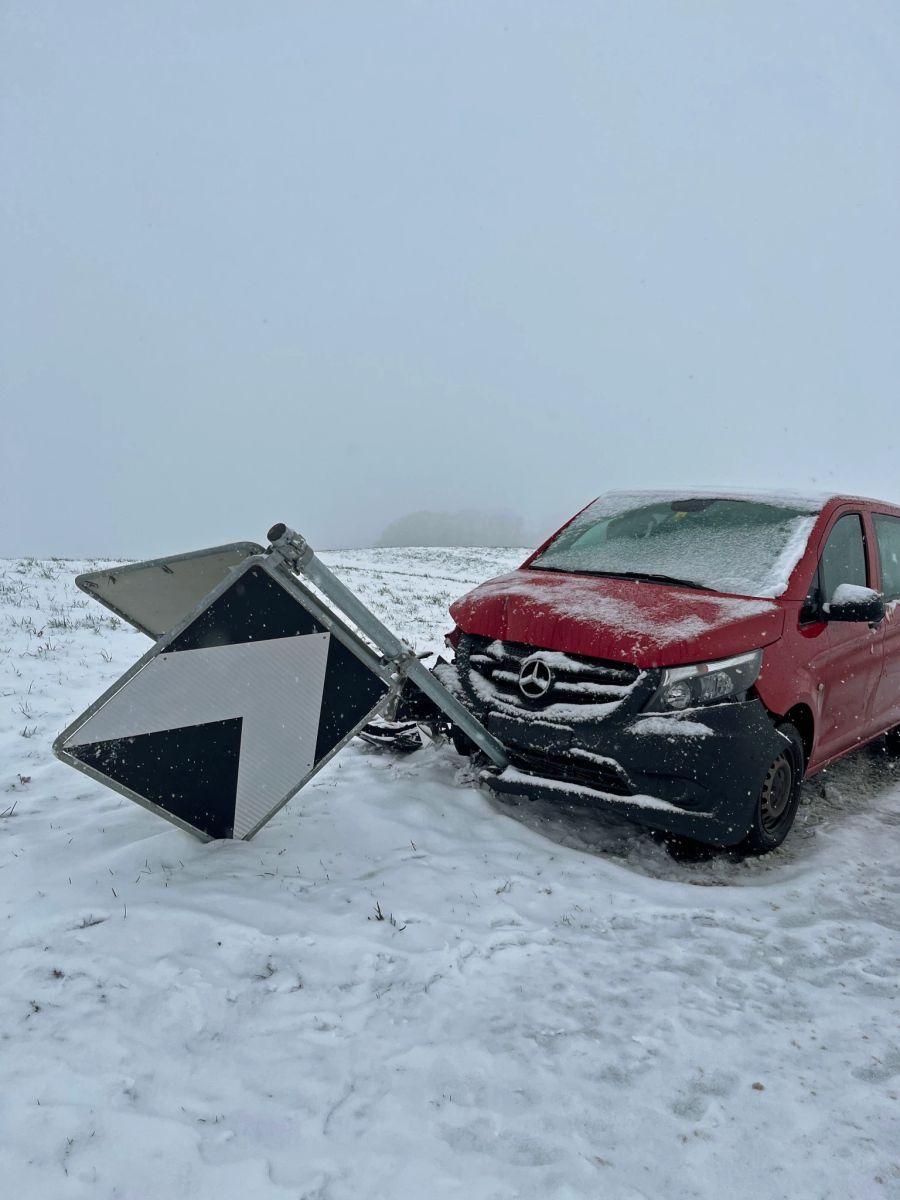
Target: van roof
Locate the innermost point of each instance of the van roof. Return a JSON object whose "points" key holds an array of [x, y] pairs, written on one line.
{"points": [[811, 502]]}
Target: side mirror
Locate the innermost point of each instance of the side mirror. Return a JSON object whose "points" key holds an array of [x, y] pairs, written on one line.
{"points": [[853, 603]]}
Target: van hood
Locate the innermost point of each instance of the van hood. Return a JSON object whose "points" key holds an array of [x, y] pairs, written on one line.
{"points": [[647, 624]]}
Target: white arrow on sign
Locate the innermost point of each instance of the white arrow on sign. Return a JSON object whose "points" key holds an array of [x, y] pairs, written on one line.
{"points": [[275, 686]]}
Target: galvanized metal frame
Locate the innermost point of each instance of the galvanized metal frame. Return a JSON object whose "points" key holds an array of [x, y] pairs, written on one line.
{"points": [[274, 568], [298, 557]]}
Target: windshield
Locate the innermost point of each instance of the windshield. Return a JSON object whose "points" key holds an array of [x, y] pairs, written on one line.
{"points": [[744, 547]]}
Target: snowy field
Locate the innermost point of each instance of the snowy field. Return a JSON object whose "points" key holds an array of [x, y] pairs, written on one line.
{"points": [[551, 1006]]}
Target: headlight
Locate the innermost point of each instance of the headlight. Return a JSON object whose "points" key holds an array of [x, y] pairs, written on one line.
{"points": [[705, 683]]}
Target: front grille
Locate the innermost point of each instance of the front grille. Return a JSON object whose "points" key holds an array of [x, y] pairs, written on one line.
{"points": [[574, 766], [494, 668]]}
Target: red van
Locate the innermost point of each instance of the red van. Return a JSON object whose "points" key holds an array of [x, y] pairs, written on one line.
{"points": [[687, 658]]}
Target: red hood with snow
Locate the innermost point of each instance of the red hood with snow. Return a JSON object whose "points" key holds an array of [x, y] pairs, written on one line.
{"points": [[648, 624]]}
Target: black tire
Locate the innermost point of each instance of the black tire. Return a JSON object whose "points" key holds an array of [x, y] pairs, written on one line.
{"points": [[779, 795], [892, 742]]}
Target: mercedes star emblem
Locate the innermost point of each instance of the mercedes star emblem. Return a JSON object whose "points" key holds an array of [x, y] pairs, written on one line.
{"points": [[535, 678]]}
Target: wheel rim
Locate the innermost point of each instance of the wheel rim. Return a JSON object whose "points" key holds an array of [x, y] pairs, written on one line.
{"points": [[776, 792]]}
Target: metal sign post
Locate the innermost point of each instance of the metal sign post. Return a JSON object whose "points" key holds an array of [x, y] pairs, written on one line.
{"points": [[299, 556]]}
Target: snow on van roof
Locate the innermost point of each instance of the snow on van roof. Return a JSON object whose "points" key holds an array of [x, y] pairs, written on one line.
{"points": [[809, 502]]}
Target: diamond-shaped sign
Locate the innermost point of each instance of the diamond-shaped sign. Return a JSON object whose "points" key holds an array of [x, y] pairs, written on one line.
{"points": [[231, 713]]}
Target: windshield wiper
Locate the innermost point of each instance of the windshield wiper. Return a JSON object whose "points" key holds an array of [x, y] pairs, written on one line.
{"points": [[645, 578], [639, 576]]}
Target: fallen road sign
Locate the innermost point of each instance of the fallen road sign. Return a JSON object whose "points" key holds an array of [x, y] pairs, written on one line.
{"points": [[251, 693], [228, 715]]}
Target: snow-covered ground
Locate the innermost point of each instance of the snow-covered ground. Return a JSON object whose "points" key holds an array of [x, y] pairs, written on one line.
{"points": [[551, 1006]]}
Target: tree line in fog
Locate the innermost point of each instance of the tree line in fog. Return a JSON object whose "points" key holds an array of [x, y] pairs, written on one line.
{"points": [[470, 527]]}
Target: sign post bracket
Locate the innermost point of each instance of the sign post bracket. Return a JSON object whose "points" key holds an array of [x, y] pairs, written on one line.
{"points": [[298, 557]]}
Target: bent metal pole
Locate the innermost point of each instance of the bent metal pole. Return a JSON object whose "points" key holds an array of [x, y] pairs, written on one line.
{"points": [[299, 556]]}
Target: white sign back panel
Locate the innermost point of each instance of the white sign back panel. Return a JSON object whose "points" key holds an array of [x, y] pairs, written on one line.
{"points": [[154, 596]]}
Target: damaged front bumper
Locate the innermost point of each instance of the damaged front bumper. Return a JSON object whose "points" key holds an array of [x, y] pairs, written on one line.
{"points": [[696, 773]]}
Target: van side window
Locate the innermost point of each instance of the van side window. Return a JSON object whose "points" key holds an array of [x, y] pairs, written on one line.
{"points": [[843, 561], [887, 531], [844, 557]]}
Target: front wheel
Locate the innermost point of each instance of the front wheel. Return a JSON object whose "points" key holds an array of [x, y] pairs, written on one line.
{"points": [[779, 795]]}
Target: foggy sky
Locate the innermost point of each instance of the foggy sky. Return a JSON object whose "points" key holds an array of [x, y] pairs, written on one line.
{"points": [[329, 263]]}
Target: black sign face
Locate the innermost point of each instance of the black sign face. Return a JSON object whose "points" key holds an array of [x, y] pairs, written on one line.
{"points": [[222, 722]]}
